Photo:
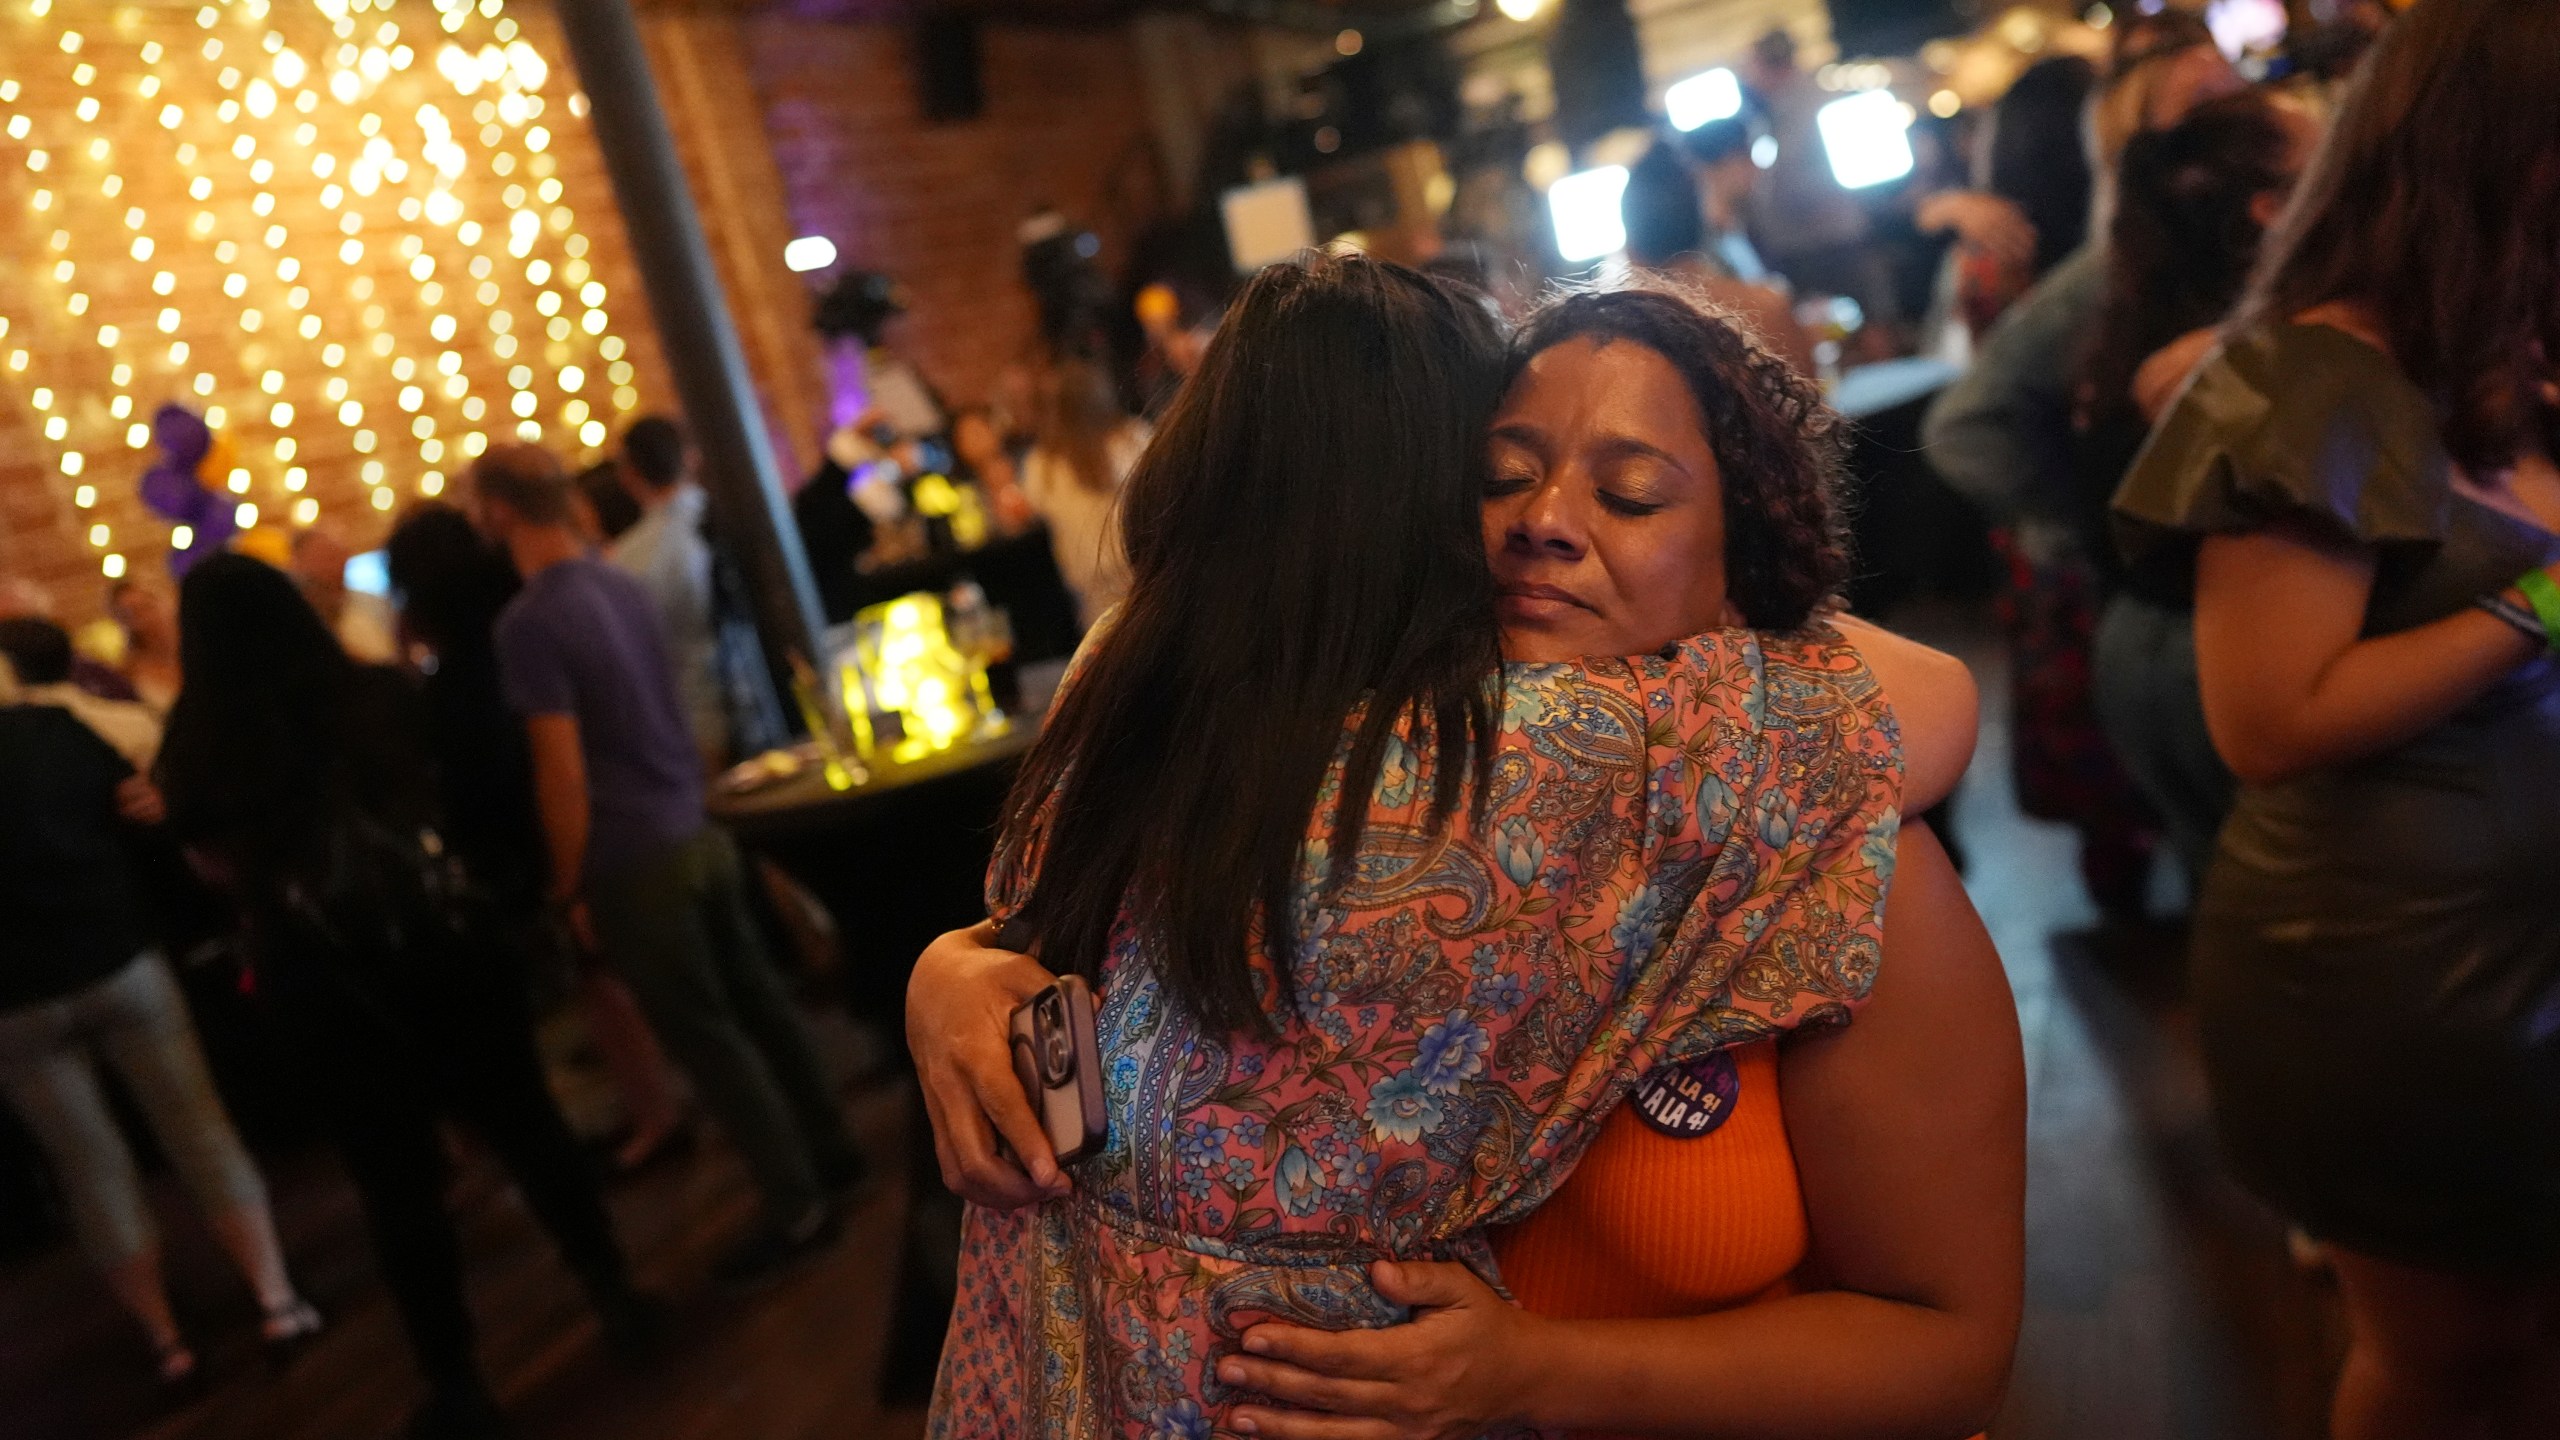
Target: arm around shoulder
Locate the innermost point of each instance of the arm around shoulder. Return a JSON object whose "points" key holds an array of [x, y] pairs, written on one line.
{"points": [[1936, 701]]}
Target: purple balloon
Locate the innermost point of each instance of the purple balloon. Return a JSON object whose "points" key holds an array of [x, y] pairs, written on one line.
{"points": [[183, 435], [173, 492]]}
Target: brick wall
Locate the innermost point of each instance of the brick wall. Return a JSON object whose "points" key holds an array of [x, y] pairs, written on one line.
{"points": [[143, 142], [1065, 122], [787, 127]]}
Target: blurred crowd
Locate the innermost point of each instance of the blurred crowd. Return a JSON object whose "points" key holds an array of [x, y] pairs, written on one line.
{"points": [[402, 816]]}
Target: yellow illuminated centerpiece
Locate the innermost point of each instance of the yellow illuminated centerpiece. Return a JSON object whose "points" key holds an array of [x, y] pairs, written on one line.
{"points": [[906, 666]]}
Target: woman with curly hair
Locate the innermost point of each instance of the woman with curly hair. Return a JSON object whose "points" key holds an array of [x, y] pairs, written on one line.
{"points": [[1629, 897]]}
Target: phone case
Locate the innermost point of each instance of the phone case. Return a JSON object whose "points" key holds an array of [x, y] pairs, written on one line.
{"points": [[1059, 1063]]}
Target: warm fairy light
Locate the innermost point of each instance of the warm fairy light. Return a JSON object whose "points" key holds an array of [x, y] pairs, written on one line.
{"points": [[246, 517], [478, 83], [85, 496], [99, 534], [112, 567]]}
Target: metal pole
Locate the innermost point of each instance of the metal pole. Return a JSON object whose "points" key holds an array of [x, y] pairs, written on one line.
{"points": [[700, 343]]}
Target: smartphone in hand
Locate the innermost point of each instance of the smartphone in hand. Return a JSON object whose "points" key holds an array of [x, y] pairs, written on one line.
{"points": [[1056, 1057]]}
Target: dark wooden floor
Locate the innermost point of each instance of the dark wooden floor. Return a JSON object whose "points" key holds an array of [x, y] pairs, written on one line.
{"points": [[2161, 1305], [2160, 1302]]}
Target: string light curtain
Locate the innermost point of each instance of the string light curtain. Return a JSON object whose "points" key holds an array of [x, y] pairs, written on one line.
{"points": [[361, 236]]}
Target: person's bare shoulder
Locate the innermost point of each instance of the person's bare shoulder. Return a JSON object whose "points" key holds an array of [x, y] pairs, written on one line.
{"points": [[1934, 697]]}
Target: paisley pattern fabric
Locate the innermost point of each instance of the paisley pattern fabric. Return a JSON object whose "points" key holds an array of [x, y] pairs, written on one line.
{"points": [[1678, 853]]}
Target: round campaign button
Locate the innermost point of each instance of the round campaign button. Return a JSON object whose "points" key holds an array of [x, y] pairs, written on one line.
{"points": [[1691, 1100]]}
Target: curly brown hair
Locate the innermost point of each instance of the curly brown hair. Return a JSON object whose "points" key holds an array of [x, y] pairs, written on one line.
{"points": [[1779, 447]]}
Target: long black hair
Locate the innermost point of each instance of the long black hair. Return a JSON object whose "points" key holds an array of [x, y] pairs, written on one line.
{"points": [[2435, 201], [1304, 543], [274, 727], [1778, 447], [451, 583]]}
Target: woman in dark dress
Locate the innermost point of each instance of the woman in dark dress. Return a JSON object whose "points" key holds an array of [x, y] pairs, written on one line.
{"points": [[2377, 950], [301, 782]]}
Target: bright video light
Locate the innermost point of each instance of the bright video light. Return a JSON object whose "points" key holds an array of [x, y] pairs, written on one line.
{"points": [[1715, 95], [809, 252], [1589, 223], [1868, 138]]}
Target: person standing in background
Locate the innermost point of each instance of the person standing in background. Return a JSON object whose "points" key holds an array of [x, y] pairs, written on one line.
{"points": [[609, 508], [451, 587], [301, 780], [636, 864], [1676, 195], [148, 613], [81, 983], [24, 599], [666, 552], [2197, 198], [1814, 232], [363, 623], [41, 653], [2003, 436], [1086, 447]]}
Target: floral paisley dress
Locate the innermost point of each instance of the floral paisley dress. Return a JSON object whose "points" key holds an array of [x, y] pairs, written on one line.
{"points": [[1679, 853]]}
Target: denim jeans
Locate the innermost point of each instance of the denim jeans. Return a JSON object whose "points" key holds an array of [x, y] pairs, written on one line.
{"points": [[2143, 669]]}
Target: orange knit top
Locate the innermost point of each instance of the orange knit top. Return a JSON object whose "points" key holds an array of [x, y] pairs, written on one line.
{"points": [[1652, 1226]]}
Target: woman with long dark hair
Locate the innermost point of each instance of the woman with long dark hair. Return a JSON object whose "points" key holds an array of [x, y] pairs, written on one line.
{"points": [[301, 781], [1525, 915], [1890, 1148], [2364, 478], [2197, 197]]}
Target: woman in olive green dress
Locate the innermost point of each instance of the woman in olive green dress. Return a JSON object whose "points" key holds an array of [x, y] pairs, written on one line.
{"points": [[2363, 479]]}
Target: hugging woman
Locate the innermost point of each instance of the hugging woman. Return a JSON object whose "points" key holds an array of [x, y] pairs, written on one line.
{"points": [[1384, 927]]}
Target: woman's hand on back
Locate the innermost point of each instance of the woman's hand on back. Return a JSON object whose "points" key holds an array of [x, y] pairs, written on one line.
{"points": [[1934, 699], [960, 1004], [1458, 1368]]}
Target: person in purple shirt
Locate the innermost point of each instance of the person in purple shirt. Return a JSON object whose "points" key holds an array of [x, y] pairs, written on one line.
{"points": [[636, 865]]}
